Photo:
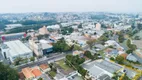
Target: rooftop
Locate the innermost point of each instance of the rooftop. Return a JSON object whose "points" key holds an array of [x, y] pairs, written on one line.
{"points": [[17, 48], [44, 66]]}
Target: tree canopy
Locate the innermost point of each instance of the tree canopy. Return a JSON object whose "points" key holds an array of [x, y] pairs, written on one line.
{"points": [[119, 59], [61, 46], [88, 54], [7, 73]]}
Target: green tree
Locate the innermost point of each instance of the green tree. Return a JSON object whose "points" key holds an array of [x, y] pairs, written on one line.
{"points": [[7, 73], [137, 37], [61, 46], [119, 59], [126, 77], [112, 58], [129, 51], [40, 79], [89, 55], [32, 59], [91, 43], [18, 60], [131, 46], [121, 37]]}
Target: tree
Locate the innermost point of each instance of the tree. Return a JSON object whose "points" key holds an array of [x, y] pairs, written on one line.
{"points": [[119, 59], [121, 37], [76, 47], [32, 59], [129, 51], [131, 46], [125, 77], [91, 43], [89, 55], [40, 79], [7, 73], [137, 37], [61, 46], [18, 60], [82, 71], [112, 58]]}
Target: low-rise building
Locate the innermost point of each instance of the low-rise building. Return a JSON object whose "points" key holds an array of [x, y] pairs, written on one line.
{"points": [[131, 57], [44, 67], [14, 49]]}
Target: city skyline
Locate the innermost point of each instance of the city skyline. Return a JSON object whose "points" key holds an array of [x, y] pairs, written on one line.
{"points": [[23, 6]]}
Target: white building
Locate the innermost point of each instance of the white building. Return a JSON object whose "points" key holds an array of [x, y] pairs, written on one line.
{"points": [[53, 27], [12, 26], [13, 49]]}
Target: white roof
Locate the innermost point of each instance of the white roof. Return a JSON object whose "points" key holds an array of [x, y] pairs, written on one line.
{"points": [[17, 48], [46, 46]]}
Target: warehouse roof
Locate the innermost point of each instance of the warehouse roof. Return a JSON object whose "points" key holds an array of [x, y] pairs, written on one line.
{"points": [[17, 48]]}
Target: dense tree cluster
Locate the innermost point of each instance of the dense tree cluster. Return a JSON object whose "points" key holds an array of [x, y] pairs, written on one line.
{"points": [[31, 22], [125, 77], [75, 61], [104, 38], [91, 42], [61, 46], [66, 30], [132, 47], [7, 73], [119, 59], [121, 37], [3, 23], [89, 55], [31, 25]]}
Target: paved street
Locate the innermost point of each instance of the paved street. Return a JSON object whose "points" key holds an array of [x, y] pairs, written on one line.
{"points": [[42, 61]]}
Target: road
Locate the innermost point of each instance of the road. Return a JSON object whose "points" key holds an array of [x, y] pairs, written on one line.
{"points": [[42, 61]]}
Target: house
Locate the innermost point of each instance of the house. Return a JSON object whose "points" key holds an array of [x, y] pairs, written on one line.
{"points": [[31, 73], [114, 44], [101, 69], [131, 57], [44, 67]]}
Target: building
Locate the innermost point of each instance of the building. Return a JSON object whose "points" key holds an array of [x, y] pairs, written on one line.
{"points": [[97, 69], [12, 26], [43, 31], [55, 27], [132, 58], [44, 67], [98, 26], [46, 46], [13, 49], [14, 36], [31, 73], [40, 47]]}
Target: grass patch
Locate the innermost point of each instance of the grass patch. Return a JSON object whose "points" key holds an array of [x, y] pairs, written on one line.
{"points": [[62, 64], [52, 73]]}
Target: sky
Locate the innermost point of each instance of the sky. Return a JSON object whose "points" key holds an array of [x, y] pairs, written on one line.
{"points": [[22, 6]]}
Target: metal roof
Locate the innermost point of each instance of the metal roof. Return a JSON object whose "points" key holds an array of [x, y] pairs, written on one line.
{"points": [[17, 48]]}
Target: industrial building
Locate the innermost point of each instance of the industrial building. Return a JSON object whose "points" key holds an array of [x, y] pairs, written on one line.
{"points": [[14, 36], [13, 49]]}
